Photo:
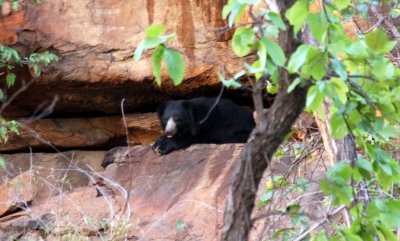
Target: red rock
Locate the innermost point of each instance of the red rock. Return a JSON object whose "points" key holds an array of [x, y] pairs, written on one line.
{"points": [[96, 42], [17, 192], [188, 185], [68, 133], [54, 172]]}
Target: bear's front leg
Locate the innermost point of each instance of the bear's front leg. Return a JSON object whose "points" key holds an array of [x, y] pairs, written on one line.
{"points": [[165, 145]]}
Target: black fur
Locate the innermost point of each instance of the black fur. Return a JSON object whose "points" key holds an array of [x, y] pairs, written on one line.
{"points": [[227, 123]]}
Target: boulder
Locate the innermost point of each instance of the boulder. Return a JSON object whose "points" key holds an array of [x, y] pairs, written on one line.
{"points": [[179, 194], [17, 193], [170, 197], [55, 172]]}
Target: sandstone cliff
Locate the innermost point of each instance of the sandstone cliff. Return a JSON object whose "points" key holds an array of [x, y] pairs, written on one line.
{"points": [[53, 186]]}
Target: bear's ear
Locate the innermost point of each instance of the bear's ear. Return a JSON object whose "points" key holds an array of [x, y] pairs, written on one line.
{"points": [[160, 112], [194, 122]]}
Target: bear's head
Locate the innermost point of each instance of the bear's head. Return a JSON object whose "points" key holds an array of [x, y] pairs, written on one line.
{"points": [[177, 118]]}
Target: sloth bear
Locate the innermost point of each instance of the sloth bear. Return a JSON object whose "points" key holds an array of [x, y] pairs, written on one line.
{"points": [[198, 120]]}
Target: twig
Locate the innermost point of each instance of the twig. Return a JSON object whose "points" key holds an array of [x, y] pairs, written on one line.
{"points": [[213, 106], [127, 206], [16, 93], [319, 223], [379, 22]]}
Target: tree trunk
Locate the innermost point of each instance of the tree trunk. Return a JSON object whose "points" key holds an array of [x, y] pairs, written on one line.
{"points": [[266, 137], [255, 158], [338, 150]]}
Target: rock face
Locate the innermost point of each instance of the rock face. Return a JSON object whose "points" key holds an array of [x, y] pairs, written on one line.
{"points": [[171, 197], [10, 22], [17, 192], [68, 133], [96, 41], [53, 171], [188, 185], [180, 196]]}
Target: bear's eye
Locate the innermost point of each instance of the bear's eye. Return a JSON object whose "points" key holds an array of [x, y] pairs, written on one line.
{"points": [[176, 120]]}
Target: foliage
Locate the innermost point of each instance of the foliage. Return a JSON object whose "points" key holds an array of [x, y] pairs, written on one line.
{"points": [[118, 229], [173, 60], [9, 59], [15, 4], [356, 75], [363, 85]]}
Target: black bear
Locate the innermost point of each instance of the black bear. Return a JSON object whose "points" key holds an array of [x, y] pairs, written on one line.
{"points": [[198, 120]]}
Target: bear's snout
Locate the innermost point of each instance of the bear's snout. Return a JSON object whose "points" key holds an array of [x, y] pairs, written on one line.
{"points": [[170, 128]]}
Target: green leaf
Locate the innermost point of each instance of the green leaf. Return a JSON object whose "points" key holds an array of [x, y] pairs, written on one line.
{"points": [[395, 13], [271, 68], [338, 126], [242, 41], [10, 79], [271, 31], [390, 213], [226, 10], [156, 57], [155, 30], [36, 70], [272, 89], [275, 52], [254, 68], [298, 58], [342, 4], [317, 63], [337, 183], [13, 126], [340, 88], [15, 56], [365, 165], [1, 95], [388, 233], [339, 45], [231, 83], [15, 5], [257, 69], [249, 1], [378, 41], [266, 197], [180, 224], [3, 134], [387, 131], [236, 14], [318, 25], [2, 162], [340, 173], [277, 20], [382, 68], [322, 236], [261, 52], [165, 38], [314, 98], [138, 52], [175, 65], [150, 43], [239, 74], [294, 84], [357, 50], [297, 15], [339, 68]]}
